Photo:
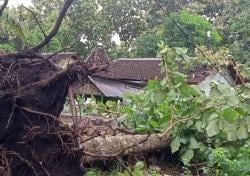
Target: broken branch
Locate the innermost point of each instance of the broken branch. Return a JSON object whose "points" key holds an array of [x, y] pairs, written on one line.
{"points": [[55, 29], [34, 16]]}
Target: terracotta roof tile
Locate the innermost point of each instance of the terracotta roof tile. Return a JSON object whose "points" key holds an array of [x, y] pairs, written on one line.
{"points": [[97, 58], [133, 69]]}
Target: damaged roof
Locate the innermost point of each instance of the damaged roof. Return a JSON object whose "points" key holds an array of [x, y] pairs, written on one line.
{"points": [[129, 75], [111, 88], [198, 74]]}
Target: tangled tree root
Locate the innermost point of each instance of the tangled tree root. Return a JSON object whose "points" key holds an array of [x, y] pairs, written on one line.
{"points": [[32, 139]]}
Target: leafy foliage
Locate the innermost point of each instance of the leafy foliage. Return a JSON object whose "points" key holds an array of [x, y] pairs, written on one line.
{"points": [[182, 29], [94, 106], [137, 170], [227, 162], [146, 45], [198, 123], [10, 30], [9, 24], [101, 19], [234, 23], [46, 14]]}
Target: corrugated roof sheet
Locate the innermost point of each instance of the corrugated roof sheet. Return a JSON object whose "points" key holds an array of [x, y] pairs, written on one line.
{"points": [[113, 88]]}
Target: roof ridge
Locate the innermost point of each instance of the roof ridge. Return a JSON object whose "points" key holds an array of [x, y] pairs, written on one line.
{"points": [[97, 57]]}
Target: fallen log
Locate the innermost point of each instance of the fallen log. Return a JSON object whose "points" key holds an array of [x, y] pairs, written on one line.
{"points": [[103, 139], [109, 147]]}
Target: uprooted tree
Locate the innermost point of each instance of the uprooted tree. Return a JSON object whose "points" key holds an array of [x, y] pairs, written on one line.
{"points": [[32, 94], [33, 140]]}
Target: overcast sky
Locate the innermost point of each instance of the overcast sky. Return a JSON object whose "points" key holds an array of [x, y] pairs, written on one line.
{"points": [[19, 2]]}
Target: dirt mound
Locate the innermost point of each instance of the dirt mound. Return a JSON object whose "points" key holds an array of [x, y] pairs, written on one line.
{"points": [[32, 139]]}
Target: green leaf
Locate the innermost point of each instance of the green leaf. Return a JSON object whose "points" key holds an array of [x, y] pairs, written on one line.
{"points": [[181, 51], [157, 97], [153, 123], [213, 128], [177, 77], [142, 129], [213, 116], [248, 124], [242, 133], [221, 125], [232, 100], [152, 84], [199, 126], [187, 156], [12, 25], [230, 115], [231, 136], [175, 144], [198, 91], [231, 132], [139, 165], [203, 147], [189, 123], [193, 143], [245, 107], [187, 91], [164, 50], [171, 95]]}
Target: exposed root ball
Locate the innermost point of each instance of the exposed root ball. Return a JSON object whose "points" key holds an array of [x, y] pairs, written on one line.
{"points": [[32, 139]]}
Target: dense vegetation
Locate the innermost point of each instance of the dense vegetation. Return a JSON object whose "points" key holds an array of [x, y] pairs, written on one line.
{"points": [[213, 129], [210, 129]]}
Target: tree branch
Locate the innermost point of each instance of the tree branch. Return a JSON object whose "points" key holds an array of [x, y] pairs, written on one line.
{"points": [[5, 3], [61, 50], [55, 29], [34, 16]]}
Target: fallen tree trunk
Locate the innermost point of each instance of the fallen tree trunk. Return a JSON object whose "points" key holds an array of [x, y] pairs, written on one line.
{"points": [[103, 139], [109, 147]]}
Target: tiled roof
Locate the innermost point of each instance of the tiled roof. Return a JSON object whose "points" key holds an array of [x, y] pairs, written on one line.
{"points": [[139, 69], [133, 69], [97, 58]]}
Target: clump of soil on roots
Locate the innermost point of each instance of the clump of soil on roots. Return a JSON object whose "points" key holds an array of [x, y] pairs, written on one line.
{"points": [[32, 139]]}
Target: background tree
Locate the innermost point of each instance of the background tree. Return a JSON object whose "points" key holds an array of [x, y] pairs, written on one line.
{"points": [[146, 45], [234, 23], [45, 14], [10, 29], [95, 21], [182, 29]]}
